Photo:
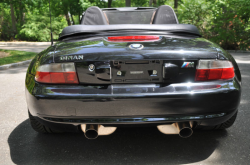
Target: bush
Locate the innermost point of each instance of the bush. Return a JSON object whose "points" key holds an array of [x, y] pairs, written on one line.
{"points": [[222, 21], [5, 23], [37, 28]]}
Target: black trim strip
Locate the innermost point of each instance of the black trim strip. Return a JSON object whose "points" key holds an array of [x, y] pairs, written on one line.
{"points": [[133, 120]]}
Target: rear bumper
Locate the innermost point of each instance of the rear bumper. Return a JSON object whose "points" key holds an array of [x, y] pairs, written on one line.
{"points": [[205, 103]]}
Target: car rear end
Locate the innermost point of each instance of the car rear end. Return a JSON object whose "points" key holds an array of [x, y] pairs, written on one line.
{"points": [[124, 80]]}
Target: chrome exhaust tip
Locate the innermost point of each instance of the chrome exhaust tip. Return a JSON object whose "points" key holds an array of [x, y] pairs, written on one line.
{"points": [[184, 129], [91, 131]]}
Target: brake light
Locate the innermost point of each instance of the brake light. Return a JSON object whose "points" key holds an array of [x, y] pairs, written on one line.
{"points": [[214, 70], [133, 38], [63, 73]]}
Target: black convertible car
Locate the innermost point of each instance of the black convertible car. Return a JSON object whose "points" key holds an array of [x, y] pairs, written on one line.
{"points": [[132, 66]]}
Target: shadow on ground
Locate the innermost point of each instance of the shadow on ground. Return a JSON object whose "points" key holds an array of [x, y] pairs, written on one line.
{"points": [[125, 146]]}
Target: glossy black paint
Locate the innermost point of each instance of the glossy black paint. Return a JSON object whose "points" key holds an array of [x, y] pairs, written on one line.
{"points": [[166, 48], [95, 96], [103, 75], [130, 102], [100, 50]]}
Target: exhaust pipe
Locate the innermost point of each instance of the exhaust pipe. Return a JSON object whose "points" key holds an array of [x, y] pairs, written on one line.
{"points": [[91, 131], [184, 129]]}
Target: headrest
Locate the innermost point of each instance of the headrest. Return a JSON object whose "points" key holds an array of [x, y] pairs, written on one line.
{"points": [[165, 15], [94, 16]]}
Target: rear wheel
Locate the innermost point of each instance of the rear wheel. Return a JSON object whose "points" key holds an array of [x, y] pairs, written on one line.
{"points": [[224, 125], [38, 127]]}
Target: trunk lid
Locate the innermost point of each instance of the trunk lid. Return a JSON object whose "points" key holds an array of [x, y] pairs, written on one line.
{"points": [[165, 61]]}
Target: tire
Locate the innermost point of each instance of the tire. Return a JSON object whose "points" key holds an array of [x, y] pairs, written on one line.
{"points": [[40, 128], [222, 126]]}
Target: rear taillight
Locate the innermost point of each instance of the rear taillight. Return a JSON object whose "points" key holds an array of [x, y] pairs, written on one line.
{"points": [[63, 73], [133, 38], [214, 70]]}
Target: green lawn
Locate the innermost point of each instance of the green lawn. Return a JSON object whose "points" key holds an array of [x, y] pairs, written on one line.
{"points": [[15, 56]]}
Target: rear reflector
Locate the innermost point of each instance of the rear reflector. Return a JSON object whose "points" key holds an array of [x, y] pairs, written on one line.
{"points": [[63, 73], [214, 70], [133, 38]]}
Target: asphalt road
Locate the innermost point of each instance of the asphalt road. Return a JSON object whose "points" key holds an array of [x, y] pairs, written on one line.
{"points": [[19, 144]]}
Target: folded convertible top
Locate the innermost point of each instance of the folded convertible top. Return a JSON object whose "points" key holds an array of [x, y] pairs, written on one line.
{"points": [[94, 29]]}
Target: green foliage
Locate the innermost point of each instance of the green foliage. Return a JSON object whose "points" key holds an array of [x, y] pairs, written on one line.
{"points": [[37, 28], [230, 22], [198, 13], [84, 4], [118, 3], [226, 22], [5, 22]]}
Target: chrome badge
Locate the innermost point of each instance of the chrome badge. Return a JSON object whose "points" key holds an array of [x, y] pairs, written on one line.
{"points": [[136, 46], [73, 57], [187, 65], [91, 67]]}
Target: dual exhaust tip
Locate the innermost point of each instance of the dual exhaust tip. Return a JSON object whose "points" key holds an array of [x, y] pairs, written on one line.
{"points": [[92, 131], [184, 129]]}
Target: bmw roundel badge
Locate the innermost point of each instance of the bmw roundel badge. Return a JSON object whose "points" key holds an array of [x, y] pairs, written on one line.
{"points": [[91, 67], [136, 46]]}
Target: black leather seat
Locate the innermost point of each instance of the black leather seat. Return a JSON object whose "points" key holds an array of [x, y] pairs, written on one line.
{"points": [[165, 15], [94, 16]]}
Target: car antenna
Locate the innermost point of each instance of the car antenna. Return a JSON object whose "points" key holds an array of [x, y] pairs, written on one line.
{"points": [[51, 34]]}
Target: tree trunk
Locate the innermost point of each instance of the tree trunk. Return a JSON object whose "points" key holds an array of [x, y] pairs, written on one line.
{"points": [[13, 19], [79, 18], [109, 3], [22, 14], [72, 19], [1, 25], [23, 18], [150, 2], [128, 3], [154, 3], [175, 4], [67, 18]]}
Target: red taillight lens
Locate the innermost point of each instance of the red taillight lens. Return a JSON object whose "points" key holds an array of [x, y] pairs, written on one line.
{"points": [[214, 70], [57, 74], [133, 38]]}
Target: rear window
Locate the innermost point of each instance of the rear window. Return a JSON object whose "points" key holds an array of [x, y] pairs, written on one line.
{"points": [[130, 17]]}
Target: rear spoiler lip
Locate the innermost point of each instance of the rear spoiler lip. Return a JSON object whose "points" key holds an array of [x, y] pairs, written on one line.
{"points": [[96, 29]]}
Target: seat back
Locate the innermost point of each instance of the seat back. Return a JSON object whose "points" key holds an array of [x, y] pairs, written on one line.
{"points": [[94, 16], [165, 15]]}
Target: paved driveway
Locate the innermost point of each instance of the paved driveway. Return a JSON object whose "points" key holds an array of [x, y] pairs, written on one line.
{"points": [[29, 47], [19, 144]]}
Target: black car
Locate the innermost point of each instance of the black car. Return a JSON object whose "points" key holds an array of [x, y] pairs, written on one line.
{"points": [[132, 66]]}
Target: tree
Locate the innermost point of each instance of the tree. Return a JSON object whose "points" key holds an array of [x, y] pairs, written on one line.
{"points": [[13, 19], [128, 3], [109, 3], [175, 4], [150, 2]]}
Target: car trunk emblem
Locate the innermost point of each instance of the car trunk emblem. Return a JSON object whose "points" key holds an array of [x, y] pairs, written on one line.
{"points": [[187, 65], [136, 46], [91, 67], [73, 57]]}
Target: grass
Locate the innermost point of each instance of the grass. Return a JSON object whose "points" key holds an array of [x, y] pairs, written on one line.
{"points": [[15, 56]]}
